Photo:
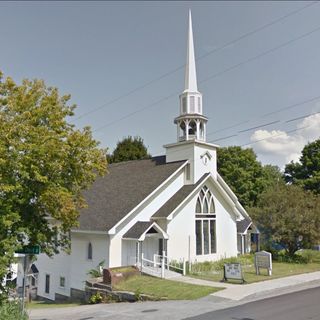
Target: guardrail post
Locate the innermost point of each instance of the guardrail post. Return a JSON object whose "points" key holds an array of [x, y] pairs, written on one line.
{"points": [[184, 267]]}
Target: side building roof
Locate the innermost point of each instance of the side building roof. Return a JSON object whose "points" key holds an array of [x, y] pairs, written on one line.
{"points": [[113, 196]]}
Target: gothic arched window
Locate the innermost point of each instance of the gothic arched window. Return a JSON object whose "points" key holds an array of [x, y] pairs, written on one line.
{"points": [[205, 223]]}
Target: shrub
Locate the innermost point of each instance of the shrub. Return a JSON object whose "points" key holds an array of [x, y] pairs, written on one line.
{"points": [[137, 294], [310, 256], [217, 266], [12, 311], [96, 298], [97, 272]]}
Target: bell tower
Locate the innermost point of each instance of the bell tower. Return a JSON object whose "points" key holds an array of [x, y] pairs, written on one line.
{"points": [[191, 124]]}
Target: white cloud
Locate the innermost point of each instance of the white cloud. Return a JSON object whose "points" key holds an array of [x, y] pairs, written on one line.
{"points": [[283, 147]]}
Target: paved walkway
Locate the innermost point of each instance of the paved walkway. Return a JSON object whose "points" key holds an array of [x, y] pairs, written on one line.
{"points": [[201, 282], [238, 292]]}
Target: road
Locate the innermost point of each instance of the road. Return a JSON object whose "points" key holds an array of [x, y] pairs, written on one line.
{"points": [[301, 305]]}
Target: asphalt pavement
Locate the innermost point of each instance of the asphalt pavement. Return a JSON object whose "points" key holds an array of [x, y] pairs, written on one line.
{"points": [[293, 298], [302, 305]]}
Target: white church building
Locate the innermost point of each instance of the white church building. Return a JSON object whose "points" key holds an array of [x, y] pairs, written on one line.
{"points": [[177, 204]]}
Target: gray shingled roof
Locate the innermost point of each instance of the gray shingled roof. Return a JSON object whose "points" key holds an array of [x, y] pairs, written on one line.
{"points": [[128, 183], [177, 198], [137, 229], [243, 225]]}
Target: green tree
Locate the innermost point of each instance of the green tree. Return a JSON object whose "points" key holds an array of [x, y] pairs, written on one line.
{"points": [[45, 163], [306, 173], [289, 216], [244, 174], [129, 149]]}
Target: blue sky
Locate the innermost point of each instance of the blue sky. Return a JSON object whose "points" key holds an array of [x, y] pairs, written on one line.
{"points": [[100, 51]]}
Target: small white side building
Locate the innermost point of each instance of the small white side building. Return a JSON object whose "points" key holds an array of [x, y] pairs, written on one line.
{"points": [[176, 203]]}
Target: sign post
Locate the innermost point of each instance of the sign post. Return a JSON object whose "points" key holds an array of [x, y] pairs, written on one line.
{"points": [[233, 271], [263, 259], [27, 251]]}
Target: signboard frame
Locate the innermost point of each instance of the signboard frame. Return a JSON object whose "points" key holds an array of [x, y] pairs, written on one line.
{"points": [[229, 275], [265, 262], [27, 251]]}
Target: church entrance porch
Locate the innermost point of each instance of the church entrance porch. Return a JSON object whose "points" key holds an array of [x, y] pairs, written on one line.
{"points": [[144, 240], [145, 246], [248, 237]]}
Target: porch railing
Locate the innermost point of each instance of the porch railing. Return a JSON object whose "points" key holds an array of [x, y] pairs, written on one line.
{"points": [[177, 266], [159, 264]]}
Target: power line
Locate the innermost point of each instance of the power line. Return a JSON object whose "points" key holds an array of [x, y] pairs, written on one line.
{"points": [[291, 106], [261, 54], [215, 75], [273, 136], [302, 117], [263, 125], [260, 126], [280, 134], [227, 44]]}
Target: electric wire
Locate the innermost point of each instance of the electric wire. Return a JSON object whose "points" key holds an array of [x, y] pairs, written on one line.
{"points": [[227, 44], [212, 76]]}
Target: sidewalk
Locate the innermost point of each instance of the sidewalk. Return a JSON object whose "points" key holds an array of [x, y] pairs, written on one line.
{"points": [[269, 287]]}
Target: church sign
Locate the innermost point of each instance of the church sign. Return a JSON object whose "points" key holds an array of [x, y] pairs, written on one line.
{"points": [[263, 259], [232, 271]]}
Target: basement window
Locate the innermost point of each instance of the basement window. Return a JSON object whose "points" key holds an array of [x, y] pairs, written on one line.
{"points": [[62, 282]]}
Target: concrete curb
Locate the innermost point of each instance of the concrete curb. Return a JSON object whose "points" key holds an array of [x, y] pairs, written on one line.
{"points": [[263, 288]]}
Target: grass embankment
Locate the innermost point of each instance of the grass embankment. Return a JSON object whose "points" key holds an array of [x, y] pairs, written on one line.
{"points": [[161, 288], [213, 271], [49, 304]]}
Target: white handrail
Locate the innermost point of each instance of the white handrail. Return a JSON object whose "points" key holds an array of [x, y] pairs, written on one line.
{"points": [[162, 261]]}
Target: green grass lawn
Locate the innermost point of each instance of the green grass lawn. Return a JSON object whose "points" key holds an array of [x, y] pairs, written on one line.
{"points": [[49, 304], [279, 270], [161, 288]]}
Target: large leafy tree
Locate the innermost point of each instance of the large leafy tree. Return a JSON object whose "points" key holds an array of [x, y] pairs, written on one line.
{"points": [[288, 215], [306, 173], [45, 163], [129, 148], [245, 175]]}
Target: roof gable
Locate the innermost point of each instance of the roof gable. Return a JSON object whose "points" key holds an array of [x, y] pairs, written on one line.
{"points": [[126, 185], [178, 198]]}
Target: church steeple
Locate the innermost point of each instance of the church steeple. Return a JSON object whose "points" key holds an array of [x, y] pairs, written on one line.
{"points": [[191, 124], [190, 82]]}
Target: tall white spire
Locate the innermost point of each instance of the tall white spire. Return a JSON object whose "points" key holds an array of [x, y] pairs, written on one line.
{"points": [[190, 83], [191, 123]]}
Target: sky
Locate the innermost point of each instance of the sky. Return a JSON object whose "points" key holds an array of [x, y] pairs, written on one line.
{"points": [[123, 64]]}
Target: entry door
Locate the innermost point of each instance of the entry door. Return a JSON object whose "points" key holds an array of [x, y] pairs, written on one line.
{"points": [[150, 247], [162, 246]]}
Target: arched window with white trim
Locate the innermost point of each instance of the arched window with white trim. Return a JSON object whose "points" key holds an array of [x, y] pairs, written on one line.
{"points": [[205, 223]]}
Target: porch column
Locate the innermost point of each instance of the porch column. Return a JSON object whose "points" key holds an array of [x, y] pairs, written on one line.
{"points": [[137, 253], [140, 253], [242, 244]]}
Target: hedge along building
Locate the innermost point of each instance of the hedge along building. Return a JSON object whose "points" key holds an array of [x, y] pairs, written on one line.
{"points": [[177, 203]]}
